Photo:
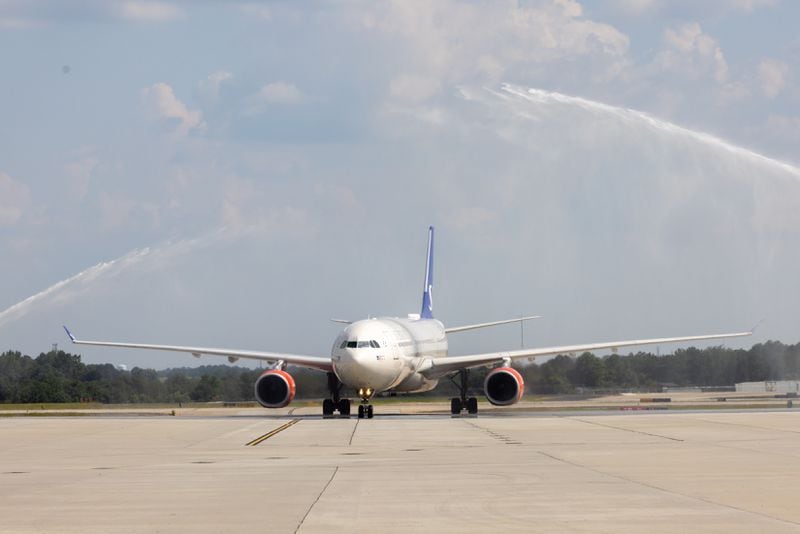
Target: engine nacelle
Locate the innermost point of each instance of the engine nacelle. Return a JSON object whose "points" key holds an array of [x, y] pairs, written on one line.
{"points": [[504, 386], [275, 389]]}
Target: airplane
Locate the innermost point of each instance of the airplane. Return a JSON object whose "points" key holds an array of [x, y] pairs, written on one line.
{"points": [[407, 354]]}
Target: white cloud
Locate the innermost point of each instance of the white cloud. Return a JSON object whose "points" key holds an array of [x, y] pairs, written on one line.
{"points": [[211, 85], [272, 94], [732, 92], [782, 134], [693, 53], [148, 11], [279, 93], [413, 88], [14, 200], [162, 101], [446, 43], [80, 172], [692, 7], [118, 211], [772, 76], [636, 7], [246, 208]]}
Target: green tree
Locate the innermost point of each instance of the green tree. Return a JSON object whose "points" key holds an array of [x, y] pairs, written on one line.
{"points": [[619, 373], [589, 371], [207, 389]]}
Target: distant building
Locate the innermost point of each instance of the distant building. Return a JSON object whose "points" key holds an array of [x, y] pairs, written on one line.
{"points": [[769, 386]]}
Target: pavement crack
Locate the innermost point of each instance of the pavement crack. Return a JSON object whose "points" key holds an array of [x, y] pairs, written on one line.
{"points": [[757, 427], [665, 490], [624, 429], [333, 475], [496, 435], [352, 435]]}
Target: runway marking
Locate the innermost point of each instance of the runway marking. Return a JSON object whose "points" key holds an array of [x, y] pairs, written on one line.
{"points": [[333, 475], [271, 433]]}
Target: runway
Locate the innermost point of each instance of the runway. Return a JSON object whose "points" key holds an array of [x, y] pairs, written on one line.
{"points": [[656, 472]]}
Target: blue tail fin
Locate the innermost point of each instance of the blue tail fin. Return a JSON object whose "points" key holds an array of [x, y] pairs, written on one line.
{"points": [[427, 302]]}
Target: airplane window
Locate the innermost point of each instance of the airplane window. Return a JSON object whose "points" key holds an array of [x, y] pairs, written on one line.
{"points": [[351, 344], [374, 344], [363, 344], [343, 345]]}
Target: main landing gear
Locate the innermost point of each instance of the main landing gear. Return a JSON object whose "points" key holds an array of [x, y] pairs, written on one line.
{"points": [[462, 402], [335, 402], [365, 408]]}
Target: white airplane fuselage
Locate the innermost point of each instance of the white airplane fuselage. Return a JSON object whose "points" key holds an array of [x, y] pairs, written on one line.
{"points": [[385, 353]]}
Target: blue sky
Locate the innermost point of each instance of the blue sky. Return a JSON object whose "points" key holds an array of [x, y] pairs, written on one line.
{"points": [[262, 166]]}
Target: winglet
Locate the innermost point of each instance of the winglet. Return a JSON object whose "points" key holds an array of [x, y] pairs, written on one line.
{"points": [[753, 330], [427, 298], [71, 337]]}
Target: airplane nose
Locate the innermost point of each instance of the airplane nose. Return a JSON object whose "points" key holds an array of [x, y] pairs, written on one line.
{"points": [[361, 368]]}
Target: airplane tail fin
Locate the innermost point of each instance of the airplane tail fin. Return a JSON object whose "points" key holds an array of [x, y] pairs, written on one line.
{"points": [[427, 302]]}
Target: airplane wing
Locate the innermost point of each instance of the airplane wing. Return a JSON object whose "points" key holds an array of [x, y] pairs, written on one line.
{"points": [[438, 367], [464, 328], [314, 362]]}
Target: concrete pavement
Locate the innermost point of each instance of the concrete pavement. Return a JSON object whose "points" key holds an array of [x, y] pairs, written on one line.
{"points": [[654, 472]]}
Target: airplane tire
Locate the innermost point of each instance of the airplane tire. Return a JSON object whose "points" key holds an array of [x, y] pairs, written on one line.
{"points": [[344, 406], [361, 411], [455, 406], [327, 407], [369, 412], [472, 405]]}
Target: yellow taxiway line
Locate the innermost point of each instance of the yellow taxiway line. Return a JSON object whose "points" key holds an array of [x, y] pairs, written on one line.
{"points": [[271, 433]]}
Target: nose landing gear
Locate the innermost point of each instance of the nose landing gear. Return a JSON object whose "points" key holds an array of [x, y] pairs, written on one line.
{"points": [[365, 408]]}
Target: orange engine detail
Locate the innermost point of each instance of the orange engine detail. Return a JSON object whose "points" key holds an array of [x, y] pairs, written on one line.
{"points": [[275, 389], [504, 386]]}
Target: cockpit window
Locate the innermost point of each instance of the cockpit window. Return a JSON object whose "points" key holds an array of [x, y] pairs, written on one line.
{"points": [[360, 344]]}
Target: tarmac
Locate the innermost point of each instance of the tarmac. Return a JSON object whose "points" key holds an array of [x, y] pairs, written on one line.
{"points": [[249, 470]]}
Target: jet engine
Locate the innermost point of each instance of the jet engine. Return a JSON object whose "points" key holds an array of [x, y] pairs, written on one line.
{"points": [[275, 389], [504, 386]]}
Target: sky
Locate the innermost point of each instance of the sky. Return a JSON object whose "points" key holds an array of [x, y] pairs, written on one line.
{"points": [[234, 174]]}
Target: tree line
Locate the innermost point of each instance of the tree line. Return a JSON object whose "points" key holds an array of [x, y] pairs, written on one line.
{"points": [[58, 376]]}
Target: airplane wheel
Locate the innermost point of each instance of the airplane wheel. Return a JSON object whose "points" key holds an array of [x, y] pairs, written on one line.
{"points": [[344, 406], [369, 412], [472, 405], [455, 406], [327, 407], [361, 411]]}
